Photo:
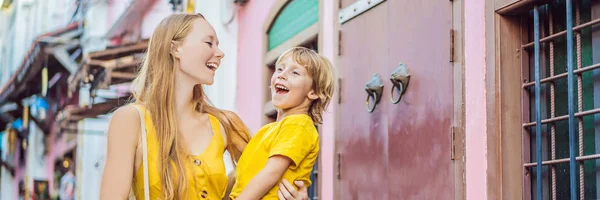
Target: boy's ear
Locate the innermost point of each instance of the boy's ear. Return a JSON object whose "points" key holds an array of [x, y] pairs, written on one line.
{"points": [[312, 95]]}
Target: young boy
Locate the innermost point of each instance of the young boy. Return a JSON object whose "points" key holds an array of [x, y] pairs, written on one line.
{"points": [[301, 89]]}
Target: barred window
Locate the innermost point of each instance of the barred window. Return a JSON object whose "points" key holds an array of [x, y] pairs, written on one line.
{"points": [[561, 99]]}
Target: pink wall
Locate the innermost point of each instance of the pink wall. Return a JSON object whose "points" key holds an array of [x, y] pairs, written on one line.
{"points": [[328, 129], [19, 170], [51, 157], [475, 101], [250, 86], [58, 149]]}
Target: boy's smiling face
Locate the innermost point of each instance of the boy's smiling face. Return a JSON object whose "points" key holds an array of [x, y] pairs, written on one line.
{"points": [[291, 85]]}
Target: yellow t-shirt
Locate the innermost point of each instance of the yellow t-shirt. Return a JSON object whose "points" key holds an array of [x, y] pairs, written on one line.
{"points": [[295, 137]]}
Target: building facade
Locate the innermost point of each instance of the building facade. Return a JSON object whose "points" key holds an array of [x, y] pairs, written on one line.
{"points": [[74, 134], [452, 105], [37, 49]]}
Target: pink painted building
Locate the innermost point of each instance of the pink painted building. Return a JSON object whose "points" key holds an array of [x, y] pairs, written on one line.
{"points": [[450, 95]]}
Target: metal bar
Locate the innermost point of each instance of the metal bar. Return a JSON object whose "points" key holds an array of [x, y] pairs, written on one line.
{"points": [[563, 75], [570, 95], [579, 101], [595, 89], [564, 117], [564, 160], [562, 33], [552, 102], [356, 9], [526, 110], [538, 106]]}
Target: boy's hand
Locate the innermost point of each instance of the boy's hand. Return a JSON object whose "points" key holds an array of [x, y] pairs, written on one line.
{"points": [[288, 192]]}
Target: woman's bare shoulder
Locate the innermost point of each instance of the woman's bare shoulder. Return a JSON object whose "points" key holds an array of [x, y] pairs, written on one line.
{"points": [[125, 122]]}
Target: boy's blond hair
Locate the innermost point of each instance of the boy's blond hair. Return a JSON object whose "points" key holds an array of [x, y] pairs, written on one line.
{"points": [[321, 72]]}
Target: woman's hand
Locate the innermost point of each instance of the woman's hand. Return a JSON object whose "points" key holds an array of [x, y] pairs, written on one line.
{"points": [[288, 192]]}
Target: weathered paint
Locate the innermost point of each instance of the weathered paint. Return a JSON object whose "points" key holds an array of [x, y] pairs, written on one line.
{"points": [[419, 139], [475, 99], [405, 141]]}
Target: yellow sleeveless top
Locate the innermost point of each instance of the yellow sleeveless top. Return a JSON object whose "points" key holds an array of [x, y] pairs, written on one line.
{"points": [[206, 174]]}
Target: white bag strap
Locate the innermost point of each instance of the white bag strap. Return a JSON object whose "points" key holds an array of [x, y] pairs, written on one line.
{"points": [[144, 155]]}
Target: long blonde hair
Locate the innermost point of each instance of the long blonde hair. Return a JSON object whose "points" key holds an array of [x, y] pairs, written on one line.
{"points": [[154, 88]]}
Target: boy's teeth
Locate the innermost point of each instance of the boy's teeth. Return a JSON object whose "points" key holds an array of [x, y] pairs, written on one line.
{"points": [[281, 87]]}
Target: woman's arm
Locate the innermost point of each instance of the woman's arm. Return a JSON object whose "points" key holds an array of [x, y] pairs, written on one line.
{"points": [[241, 137], [123, 136]]}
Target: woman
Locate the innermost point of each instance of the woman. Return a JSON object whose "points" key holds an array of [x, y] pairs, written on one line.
{"points": [[186, 136]]}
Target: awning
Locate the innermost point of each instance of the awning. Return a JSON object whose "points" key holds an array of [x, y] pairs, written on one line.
{"points": [[26, 80], [102, 69], [66, 119], [31, 65], [112, 66]]}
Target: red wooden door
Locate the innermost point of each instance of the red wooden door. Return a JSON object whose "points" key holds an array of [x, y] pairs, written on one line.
{"points": [[363, 141], [399, 151]]}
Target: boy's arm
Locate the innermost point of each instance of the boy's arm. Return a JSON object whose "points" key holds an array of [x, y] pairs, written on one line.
{"points": [[266, 178]]}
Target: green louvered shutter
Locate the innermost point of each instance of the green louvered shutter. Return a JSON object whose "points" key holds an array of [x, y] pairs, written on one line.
{"points": [[293, 19]]}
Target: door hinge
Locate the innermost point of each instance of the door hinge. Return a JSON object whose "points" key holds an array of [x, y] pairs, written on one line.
{"points": [[339, 86], [339, 43], [452, 142], [339, 166], [451, 45]]}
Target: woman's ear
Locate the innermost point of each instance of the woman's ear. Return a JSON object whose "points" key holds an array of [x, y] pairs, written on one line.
{"points": [[175, 49]]}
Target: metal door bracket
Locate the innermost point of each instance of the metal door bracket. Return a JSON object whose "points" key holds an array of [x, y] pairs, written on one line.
{"points": [[339, 165], [452, 45], [399, 78], [453, 141], [356, 9], [339, 91], [374, 89], [339, 43]]}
